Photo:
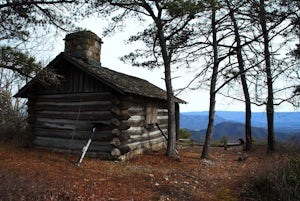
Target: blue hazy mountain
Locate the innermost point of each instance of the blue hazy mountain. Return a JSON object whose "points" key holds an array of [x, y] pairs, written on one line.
{"points": [[231, 124], [235, 130], [197, 121]]}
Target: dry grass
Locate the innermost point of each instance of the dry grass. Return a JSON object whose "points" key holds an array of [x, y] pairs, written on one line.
{"points": [[32, 174]]}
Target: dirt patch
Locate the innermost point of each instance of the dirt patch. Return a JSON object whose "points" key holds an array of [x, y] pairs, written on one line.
{"points": [[32, 174]]}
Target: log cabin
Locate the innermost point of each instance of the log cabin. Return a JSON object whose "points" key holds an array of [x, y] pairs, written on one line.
{"points": [[130, 114]]}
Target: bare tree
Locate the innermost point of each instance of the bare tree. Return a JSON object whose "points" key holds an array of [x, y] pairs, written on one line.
{"points": [[268, 70], [239, 54], [165, 39], [212, 100]]}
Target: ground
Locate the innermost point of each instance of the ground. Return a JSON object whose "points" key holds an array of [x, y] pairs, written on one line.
{"points": [[33, 174]]}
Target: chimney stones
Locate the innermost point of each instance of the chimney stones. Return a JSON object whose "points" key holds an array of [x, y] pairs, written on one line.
{"points": [[84, 45]]}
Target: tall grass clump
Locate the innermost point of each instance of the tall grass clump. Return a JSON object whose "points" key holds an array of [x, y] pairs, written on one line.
{"points": [[281, 184], [13, 125]]}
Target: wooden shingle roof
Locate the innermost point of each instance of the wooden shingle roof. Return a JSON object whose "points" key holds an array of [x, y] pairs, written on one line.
{"points": [[120, 82]]}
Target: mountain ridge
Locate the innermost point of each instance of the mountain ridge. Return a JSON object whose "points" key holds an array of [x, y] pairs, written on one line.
{"points": [[232, 124]]}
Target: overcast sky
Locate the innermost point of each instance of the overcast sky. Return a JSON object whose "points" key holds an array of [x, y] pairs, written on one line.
{"points": [[114, 47]]}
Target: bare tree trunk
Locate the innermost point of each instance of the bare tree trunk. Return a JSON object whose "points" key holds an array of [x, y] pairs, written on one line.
{"points": [[241, 66], [156, 11], [212, 101], [270, 104], [171, 147]]}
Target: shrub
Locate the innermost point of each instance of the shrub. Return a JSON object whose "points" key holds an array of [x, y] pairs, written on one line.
{"points": [[15, 130], [184, 134], [282, 184], [222, 141], [13, 126]]}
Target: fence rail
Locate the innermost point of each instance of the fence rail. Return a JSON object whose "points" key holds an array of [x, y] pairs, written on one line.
{"points": [[193, 142]]}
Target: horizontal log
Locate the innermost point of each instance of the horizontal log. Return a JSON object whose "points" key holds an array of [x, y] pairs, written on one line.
{"points": [[77, 127], [115, 142], [86, 126], [76, 97], [121, 117], [78, 104], [162, 121], [104, 115], [120, 114], [97, 115], [68, 124], [95, 112], [162, 110], [124, 137], [116, 122], [72, 108], [63, 126], [144, 137], [146, 145], [140, 110], [115, 152], [116, 110], [135, 130], [138, 123], [116, 132], [74, 134], [163, 126], [78, 123], [143, 130], [68, 106], [138, 130], [136, 120], [72, 144], [136, 111], [123, 126], [162, 118], [131, 154]]}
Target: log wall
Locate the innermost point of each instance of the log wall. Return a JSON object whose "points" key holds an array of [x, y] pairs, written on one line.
{"points": [[64, 122], [141, 137]]}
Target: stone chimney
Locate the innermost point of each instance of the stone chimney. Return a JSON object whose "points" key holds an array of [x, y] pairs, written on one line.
{"points": [[84, 45]]}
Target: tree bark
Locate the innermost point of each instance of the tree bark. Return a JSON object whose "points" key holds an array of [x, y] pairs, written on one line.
{"points": [[268, 70], [212, 101], [171, 147], [241, 66], [166, 55]]}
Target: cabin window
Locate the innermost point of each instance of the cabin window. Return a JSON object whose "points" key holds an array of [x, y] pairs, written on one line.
{"points": [[151, 114]]}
